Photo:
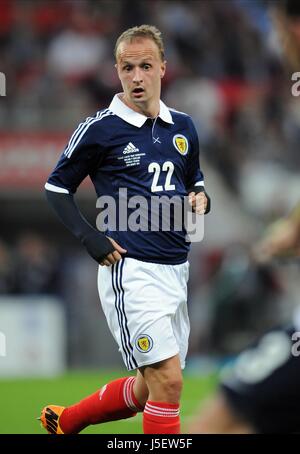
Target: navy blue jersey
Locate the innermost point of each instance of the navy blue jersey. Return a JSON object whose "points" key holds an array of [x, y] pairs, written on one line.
{"points": [[119, 148]]}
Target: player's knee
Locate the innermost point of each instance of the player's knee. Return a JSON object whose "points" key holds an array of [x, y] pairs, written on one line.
{"points": [[172, 388], [164, 381], [168, 388]]}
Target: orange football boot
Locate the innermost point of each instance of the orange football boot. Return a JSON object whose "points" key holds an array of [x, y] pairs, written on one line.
{"points": [[50, 419]]}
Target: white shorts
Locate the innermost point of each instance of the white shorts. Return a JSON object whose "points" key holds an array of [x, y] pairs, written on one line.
{"points": [[145, 305]]}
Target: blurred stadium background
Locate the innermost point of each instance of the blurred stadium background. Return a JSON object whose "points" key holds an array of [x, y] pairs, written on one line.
{"points": [[225, 68]]}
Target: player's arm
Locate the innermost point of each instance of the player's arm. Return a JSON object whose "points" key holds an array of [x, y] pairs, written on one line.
{"points": [[101, 248], [198, 197], [80, 158]]}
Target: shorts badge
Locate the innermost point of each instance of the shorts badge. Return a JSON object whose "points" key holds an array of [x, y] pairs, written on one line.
{"points": [[181, 144], [144, 343]]}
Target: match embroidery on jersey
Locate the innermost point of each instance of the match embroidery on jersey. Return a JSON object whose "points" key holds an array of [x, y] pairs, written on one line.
{"points": [[131, 155], [181, 144]]}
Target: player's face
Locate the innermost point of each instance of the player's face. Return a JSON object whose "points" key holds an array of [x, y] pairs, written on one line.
{"points": [[140, 70]]}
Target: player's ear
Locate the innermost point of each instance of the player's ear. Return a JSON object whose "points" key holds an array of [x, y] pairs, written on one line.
{"points": [[117, 68], [163, 68]]}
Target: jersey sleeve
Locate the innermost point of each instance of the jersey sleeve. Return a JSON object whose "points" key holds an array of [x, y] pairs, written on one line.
{"points": [[194, 176], [82, 156]]}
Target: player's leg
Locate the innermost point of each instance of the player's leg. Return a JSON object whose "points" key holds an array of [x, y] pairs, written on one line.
{"points": [[143, 336], [115, 400], [140, 389], [160, 341], [164, 381]]}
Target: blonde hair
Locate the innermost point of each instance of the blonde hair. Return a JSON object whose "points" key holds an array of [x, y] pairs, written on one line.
{"points": [[143, 31]]}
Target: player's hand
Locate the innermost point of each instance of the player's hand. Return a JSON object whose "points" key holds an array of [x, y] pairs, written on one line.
{"points": [[198, 202], [115, 256]]}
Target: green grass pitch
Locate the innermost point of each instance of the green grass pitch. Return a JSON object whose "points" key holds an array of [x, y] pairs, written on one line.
{"points": [[21, 400]]}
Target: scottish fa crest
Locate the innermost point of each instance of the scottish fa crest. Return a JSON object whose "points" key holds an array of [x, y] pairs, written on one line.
{"points": [[181, 144], [144, 343]]}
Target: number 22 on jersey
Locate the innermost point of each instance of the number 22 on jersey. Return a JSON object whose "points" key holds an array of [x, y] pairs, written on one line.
{"points": [[155, 168]]}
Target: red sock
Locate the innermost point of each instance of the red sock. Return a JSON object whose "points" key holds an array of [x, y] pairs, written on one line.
{"points": [[161, 418], [114, 401]]}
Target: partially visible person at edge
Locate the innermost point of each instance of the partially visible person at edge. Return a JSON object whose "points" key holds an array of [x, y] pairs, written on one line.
{"points": [[261, 393], [140, 144]]}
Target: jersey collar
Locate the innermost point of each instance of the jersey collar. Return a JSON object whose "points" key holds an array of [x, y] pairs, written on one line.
{"points": [[134, 118]]}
